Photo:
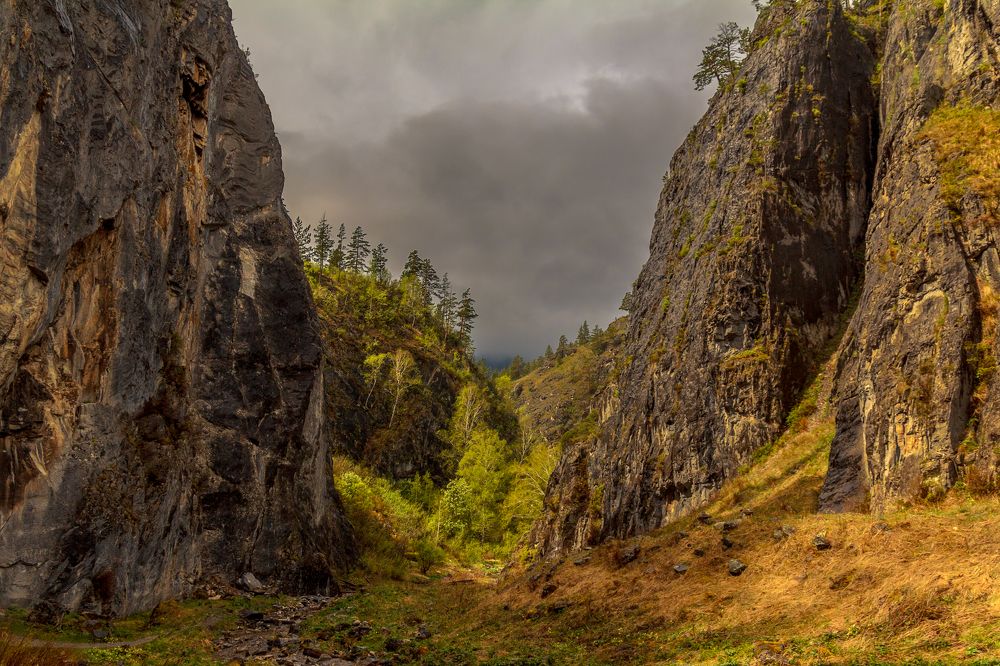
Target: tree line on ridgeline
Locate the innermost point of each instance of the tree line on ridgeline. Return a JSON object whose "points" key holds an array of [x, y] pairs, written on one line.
{"points": [[329, 252]]}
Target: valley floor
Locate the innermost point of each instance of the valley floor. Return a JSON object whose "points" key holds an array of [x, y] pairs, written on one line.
{"points": [[920, 585]]}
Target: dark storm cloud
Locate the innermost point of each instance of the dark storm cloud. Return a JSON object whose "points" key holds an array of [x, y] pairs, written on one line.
{"points": [[518, 145]]}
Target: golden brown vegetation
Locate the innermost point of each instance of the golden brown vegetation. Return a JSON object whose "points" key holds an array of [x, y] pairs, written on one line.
{"points": [[17, 651], [967, 150]]}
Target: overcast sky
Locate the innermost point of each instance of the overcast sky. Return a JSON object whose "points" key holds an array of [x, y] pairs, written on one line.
{"points": [[518, 144]]}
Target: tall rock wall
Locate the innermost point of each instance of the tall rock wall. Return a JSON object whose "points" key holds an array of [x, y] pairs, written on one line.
{"points": [[917, 389], [852, 143], [753, 259], [160, 370]]}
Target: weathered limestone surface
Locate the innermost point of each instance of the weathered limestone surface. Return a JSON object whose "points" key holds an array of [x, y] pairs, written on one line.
{"points": [[914, 380], [753, 259], [160, 371], [861, 143]]}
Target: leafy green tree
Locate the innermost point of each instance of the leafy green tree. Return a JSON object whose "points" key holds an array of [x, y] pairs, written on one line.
{"points": [[484, 468], [421, 491], [358, 251], [373, 369], [467, 415], [455, 511], [324, 243], [378, 267], [403, 375], [411, 302], [303, 238], [721, 59], [527, 494]]}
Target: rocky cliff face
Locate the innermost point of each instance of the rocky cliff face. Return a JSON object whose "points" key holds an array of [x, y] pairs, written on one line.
{"points": [[852, 143], [917, 386], [752, 260], [160, 370]]}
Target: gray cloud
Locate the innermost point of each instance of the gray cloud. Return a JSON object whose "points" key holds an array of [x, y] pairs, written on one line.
{"points": [[519, 145]]}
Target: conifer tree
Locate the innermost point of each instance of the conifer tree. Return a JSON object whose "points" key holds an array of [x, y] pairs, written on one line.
{"points": [[324, 243], [447, 304], [413, 265], [563, 347], [429, 279], [358, 251], [337, 254], [466, 315], [548, 352], [721, 59], [378, 267], [517, 368], [583, 335], [626, 305], [596, 333], [303, 238]]}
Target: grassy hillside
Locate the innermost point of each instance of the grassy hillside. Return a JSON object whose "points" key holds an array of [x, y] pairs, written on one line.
{"points": [[559, 391], [432, 463]]}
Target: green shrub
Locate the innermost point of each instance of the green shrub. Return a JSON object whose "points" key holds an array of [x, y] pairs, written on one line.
{"points": [[428, 554]]}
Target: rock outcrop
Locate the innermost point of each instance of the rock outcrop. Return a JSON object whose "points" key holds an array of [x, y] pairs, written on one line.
{"points": [[917, 389], [860, 142], [753, 260], [160, 371]]}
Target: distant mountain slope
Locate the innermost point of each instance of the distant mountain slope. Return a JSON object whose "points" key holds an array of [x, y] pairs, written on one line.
{"points": [[558, 394]]}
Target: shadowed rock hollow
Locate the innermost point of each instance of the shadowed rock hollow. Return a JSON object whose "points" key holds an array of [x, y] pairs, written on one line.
{"points": [[160, 370]]}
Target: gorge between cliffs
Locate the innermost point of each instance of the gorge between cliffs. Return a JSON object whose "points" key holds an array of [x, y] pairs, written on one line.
{"points": [[229, 436]]}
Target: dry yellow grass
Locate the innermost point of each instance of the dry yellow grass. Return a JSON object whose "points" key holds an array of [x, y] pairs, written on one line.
{"points": [[16, 651], [923, 582]]}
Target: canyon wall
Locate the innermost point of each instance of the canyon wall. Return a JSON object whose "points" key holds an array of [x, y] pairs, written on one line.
{"points": [[161, 384]]}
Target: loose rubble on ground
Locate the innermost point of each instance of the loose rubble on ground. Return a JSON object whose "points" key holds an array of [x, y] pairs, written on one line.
{"points": [[273, 637]]}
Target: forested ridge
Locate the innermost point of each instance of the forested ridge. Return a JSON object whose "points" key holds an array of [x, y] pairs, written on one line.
{"points": [[434, 461]]}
